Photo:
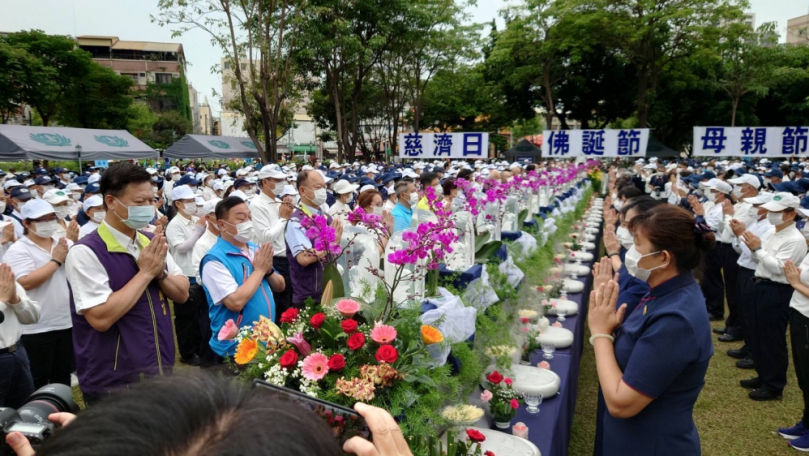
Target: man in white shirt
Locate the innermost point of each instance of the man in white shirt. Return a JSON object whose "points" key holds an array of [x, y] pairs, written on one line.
{"points": [[18, 309], [94, 208], [772, 294], [36, 260], [208, 239], [182, 233], [121, 280], [270, 216]]}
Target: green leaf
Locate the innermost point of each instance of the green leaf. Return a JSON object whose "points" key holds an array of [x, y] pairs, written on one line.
{"points": [[484, 254], [523, 215], [481, 240], [332, 273]]}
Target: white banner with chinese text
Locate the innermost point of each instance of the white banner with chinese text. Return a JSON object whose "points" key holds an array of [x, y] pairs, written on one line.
{"points": [[443, 145], [751, 141], [595, 143]]}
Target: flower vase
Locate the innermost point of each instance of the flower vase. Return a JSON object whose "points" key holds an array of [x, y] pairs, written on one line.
{"points": [[502, 424]]}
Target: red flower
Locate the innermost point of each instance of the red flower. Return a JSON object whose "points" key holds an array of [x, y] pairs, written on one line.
{"points": [[515, 404], [524, 320], [508, 381], [495, 378], [289, 316], [387, 354], [540, 289], [475, 435], [349, 326], [337, 362], [488, 453], [289, 359], [317, 320], [356, 341]]}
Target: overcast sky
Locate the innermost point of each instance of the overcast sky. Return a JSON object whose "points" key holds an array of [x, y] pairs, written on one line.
{"points": [[129, 20]]}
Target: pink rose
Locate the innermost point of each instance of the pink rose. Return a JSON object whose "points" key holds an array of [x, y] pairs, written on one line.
{"points": [[509, 381], [515, 404], [486, 396]]}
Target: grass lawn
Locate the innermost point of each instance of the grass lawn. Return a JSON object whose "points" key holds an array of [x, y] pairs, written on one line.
{"points": [[728, 422]]}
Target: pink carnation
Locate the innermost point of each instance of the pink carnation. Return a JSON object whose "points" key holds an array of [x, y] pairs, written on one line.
{"points": [[486, 396], [228, 331]]}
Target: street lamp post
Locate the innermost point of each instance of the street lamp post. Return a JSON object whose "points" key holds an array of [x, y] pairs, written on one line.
{"points": [[78, 152]]}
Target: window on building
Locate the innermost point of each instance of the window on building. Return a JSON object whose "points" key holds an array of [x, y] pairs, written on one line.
{"points": [[166, 104], [134, 76], [227, 66], [162, 78]]}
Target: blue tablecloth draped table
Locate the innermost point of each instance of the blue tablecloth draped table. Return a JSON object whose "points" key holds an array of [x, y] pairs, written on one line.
{"points": [[510, 235]]}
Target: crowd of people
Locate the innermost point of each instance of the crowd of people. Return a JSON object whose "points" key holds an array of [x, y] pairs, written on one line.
{"points": [[91, 264], [738, 227]]}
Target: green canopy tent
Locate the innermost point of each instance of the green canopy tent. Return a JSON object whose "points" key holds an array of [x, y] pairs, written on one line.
{"points": [[202, 146]]}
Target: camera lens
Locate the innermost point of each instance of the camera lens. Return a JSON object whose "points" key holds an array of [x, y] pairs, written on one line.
{"points": [[53, 398]]}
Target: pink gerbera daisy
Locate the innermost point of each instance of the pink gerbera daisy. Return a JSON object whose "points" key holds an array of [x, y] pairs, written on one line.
{"points": [[315, 366], [347, 307], [383, 334]]}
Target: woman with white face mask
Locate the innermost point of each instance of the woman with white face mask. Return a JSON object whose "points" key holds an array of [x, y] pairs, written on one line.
{"points": [[371, 202], [36, 260], [343, 193], [663, 348]]}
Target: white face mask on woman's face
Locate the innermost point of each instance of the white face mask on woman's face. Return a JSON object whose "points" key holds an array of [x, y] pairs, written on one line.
{"points": [[632, 259], [775, 218]]}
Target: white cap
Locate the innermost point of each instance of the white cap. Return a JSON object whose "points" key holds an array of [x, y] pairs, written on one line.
{"points": [[218, 185], [221, 171], [334, 165], [174, 169], [151, 171], [368, 187], [209, 206], [409, 173], [289, 190], [307, 168], [718, 185], [55, 196], [242, 172], [271, 172], [780, 201], [71, 186], [240, 194], [93, 178], [11, 183], [761, 198], [199, 201], [746, 179], [93, 201], [182, 192], [36, 208], [29, 183], [343, 186]]}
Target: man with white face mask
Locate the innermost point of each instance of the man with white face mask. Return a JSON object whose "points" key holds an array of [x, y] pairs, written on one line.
{"points": [[122, 280], [716, 285], [407, 198], [182, 233], [36, 260], [94, 208], [238, 277], [306, 268], [772, 294], [270, 216], [747, 268]]}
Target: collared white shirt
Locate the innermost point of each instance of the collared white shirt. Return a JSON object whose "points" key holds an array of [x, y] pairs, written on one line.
{"points": [[340, 210], [87, 228], [178, 231], [18, 228], [776, 248], [389, 205], [204, 243], [168, 184], [268, 226], [219, 282], [53, 296], [800, 301], [25, 312], [89, 280], [762, 229], [208, 193]]}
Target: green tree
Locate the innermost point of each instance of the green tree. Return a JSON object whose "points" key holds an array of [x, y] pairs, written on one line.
{"points": [[259, 39], [63, 64], [168, 128], [141, 121], [21, 71], [100, 99]]}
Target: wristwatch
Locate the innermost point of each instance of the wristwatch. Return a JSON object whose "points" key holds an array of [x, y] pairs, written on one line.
{"points": [[163, 277], [272, 271]]}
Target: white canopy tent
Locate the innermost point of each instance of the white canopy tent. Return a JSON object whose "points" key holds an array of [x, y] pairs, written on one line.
{"points": [[20, 142]]}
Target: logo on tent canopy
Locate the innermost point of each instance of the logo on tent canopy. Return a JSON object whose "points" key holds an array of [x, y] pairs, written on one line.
{"points": [[219, 144], [112, 141], [50, 139], [249, 144]]}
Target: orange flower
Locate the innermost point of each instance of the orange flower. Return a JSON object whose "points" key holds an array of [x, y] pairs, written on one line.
{"points": [[430, 335], [246, 351]]}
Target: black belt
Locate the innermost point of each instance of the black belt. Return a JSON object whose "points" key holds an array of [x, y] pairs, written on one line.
{"points": [[14, 347], [762, 281]]}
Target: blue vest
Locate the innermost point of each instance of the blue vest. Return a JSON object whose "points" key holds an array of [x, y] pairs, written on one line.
{"points": [[261, 303]]}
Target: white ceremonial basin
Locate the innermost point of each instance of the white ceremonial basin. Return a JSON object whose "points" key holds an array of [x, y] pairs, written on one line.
{"points": [[570, 307], [577, 269], [500, 443], [573, 286], [529, 379], [581, 255], [590, 229], [561, 337]]}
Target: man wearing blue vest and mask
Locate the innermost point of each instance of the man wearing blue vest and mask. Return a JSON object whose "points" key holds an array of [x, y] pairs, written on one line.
{"points": [[237, 275], [121, 282]]}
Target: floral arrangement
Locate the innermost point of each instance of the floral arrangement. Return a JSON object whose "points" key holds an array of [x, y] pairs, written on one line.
{"points": [[503, 400], [471, 446], [530, 345]]}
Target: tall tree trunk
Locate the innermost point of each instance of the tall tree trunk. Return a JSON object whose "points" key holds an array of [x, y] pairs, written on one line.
{"points": [[735, 108], [643, 85]]}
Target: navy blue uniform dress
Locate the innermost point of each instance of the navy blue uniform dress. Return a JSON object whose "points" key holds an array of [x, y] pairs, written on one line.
{"points": [[663, 349]]}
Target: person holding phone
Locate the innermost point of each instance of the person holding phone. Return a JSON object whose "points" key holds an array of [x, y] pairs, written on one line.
{"points": [[181, 415]]}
